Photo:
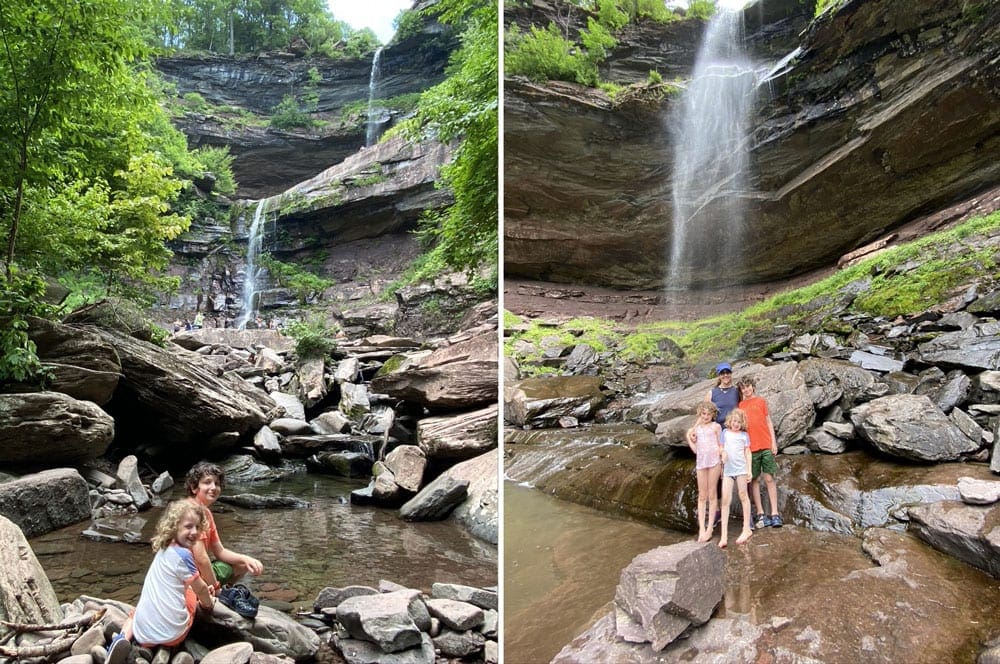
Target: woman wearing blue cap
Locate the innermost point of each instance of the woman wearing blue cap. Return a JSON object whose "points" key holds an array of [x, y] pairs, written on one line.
{"points": [[724, 395]]}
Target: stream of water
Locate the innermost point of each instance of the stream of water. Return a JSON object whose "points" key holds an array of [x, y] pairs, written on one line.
{"points": [[332, 543], [250, 285], [371, 130]]}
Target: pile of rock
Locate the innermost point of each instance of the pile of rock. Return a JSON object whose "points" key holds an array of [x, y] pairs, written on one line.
{"points": [[398, 624]]}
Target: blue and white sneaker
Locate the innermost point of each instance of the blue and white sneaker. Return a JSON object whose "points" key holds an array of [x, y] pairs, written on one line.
{"points": [[119, 650]]}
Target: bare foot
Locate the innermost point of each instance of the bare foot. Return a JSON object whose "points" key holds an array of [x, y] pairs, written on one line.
{"points": [[722, 544], [744, 536], [704, 537]]}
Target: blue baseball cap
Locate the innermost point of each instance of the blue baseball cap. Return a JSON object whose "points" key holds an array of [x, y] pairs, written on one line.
{"points": [[723, 366]]}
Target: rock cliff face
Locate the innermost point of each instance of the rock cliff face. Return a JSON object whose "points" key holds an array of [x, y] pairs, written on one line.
{"points": [[887, 112], [269, 160]]}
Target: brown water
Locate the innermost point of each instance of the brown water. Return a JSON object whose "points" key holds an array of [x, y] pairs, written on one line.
{"points": [[561, 567], [331, 543]]}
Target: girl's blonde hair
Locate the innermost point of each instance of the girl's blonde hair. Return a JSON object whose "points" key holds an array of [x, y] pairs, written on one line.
{"points": [[737, 416], [712, 409], [166, 527]]}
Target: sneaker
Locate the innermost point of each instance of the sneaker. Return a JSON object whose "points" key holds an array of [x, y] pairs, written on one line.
{"points": [[119, 650], [776, 521], [240, 599], [760, 521]]}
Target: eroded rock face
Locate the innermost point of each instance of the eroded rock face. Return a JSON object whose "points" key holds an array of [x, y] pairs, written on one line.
{"points": [[880, 94], [911, 427], [81, 364], [42, 502]]}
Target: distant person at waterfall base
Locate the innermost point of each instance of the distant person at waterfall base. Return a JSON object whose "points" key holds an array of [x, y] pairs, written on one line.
{"points": [[763, 450], [735, 470], [217, 564], [199, 320], [173, 588], [705, 440]]}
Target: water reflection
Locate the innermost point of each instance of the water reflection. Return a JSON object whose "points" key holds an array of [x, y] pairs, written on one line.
{"points": [[332, 543], [561, 567]]}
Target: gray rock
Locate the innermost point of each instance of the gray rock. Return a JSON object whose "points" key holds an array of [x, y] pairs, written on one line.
{"points": [[288, 426], [665, 590], [346, 371], [875, 362], [233, 653], [79, 362], [270, 632], [94, 636], [330, 422], [354, 401], [52, 428], [459, 644], [911, 427], [293, 407], [26, 595], [978, 492], [42, 502], [312, 386], [461, 436], [342, 464], [819, 440], [968, 425], [480, 510], [356, 651], [162, 482], [953, 392], [255, 502], [266, 443], [407, 464], [541, 401], [842, 430], [436, 500], [975, 348], [484, 599], [962, 531], [459, 616], [332, 597], [387, 619], [128, 479]]}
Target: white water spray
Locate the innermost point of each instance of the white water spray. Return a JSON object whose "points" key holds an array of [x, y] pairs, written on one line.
{"points": [[371, 130], [252, 272], [711, 154]]}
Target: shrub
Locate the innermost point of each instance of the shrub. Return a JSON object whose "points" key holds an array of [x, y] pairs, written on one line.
{"points": [[702, 9], [195, 102], [407, 24], [287, 114], [654, 77], [313, 337]]}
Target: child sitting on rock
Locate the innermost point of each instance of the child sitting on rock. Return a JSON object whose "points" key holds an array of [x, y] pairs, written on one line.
{"points": [[173, 589], [204, 484]]}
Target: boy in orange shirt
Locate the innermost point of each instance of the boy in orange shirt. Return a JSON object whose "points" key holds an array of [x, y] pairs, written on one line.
{"points": [[763, 448]]}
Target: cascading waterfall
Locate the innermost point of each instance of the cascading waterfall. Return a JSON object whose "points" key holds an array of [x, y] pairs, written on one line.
{"points": [[252, 272], [371, 130], [711, 154]]}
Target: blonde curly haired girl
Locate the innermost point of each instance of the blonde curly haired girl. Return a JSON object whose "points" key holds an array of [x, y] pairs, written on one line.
{"points": [[173, 589]]}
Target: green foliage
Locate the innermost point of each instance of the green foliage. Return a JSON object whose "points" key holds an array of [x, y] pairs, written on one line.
{"points": [[195, 102], [219, 162], [361, 43], [314, 338], [823, 5], [464, 108], [610, 16], [656, 10], [511, 320], [20, 297], [407, 23], [701, 9], [542, 55], [289, 114], [303, 283], [654, 77]]}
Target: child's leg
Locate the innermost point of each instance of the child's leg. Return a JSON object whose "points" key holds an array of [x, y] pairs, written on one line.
{"points": [[727, 497], [755, 483], [772, 492], [714, 474], [702, 503], [741, 486]]}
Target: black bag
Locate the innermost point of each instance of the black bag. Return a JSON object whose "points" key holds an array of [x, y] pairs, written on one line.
{"points": [[240, 599]]}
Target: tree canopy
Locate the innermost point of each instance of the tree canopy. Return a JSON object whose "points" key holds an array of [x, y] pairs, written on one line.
{"points": [[464, 108]]}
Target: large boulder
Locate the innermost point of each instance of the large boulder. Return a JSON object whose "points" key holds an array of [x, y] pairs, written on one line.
{"points": [[911, 427], [390, 620], [436, 500], [42, 502], [835, 382], [50, 428], [169, 396], [79, 362], [271, 632], [460, 436], [966, 532], [540, 402], [480, 511], [26, 596], [975, 348], [460, 375]]}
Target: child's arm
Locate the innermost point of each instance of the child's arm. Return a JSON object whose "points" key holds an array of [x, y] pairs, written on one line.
{"points": [[774, 438], [692, 437], [746, 453], [200, 589], [204, 564], [722, 451]]}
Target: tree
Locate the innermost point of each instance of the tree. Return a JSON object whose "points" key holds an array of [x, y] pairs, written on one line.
{"points": [[464, 107]]}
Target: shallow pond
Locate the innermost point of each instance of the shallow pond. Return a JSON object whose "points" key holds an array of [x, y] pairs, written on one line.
{"points": [[330, 543]]}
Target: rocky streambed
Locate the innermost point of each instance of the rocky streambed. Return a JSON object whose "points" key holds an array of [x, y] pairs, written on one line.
{"points": [[887, 485]]}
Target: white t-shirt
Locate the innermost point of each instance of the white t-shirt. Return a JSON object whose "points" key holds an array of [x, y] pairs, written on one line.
{"points": [[736, 444], [161, 616]]}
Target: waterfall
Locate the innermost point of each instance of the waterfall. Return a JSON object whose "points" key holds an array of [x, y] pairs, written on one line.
{"points": [[711, 154], [371, 131], [251, 273]]}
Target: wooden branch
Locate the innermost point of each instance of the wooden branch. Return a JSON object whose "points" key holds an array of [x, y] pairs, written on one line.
{"points": [[85, 620], [43, 650]]}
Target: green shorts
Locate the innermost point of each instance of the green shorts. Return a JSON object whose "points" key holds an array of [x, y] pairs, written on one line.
{"points": [[763, 462], [223, 571]]}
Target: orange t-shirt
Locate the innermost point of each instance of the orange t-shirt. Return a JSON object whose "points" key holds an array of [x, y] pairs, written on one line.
{"points": [[211, 535], [760, 435]]}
